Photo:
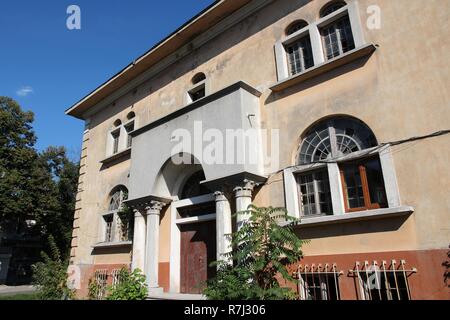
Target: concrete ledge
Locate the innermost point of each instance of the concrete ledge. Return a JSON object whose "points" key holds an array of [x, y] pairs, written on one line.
{"points": [[329, 65], [117, 156], [112, 244], [355, 216]]}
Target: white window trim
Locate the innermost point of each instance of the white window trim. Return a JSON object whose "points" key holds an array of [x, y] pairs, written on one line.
{"points": [[204, 83], [123, 138], [337, 197], [313, 29], [127, 133]]}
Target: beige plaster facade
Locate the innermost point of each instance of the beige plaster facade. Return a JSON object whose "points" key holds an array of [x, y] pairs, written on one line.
{"points": [[399, 91]]}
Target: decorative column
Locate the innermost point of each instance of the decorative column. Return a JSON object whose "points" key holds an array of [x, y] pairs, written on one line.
{"points": [[243, 196], [138, 261], [223, 226], [153, 212]]}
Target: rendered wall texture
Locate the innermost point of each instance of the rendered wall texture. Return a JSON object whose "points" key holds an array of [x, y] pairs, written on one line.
{"points": [[400, 91]]}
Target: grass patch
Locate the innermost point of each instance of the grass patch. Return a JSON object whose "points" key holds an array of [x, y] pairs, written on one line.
{"points": [[20, 296]]}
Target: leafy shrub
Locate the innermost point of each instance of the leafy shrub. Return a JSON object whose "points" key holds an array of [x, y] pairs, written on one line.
{"points": [[50, 275], [262, 251], [131, 286]]}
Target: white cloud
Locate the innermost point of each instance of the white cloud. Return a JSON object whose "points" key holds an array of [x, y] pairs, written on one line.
{"points": [[24, 91]]}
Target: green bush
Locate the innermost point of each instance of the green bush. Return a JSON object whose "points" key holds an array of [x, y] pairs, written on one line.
{"points": [[262, 251], [50, 275], [131, 286]]}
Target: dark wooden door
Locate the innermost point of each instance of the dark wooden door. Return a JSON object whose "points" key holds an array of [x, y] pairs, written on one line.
{"points": [[198, 250]]}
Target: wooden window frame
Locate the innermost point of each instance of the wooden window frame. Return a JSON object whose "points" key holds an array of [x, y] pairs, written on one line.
{"points": [[368, 205]]}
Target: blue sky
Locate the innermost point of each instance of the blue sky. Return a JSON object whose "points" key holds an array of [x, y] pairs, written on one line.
{"points": [[47, 68]]}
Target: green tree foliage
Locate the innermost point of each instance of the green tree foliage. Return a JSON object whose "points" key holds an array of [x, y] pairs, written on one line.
{"points": [[54, 215], [263, 250], [17, 165], [50, 275], [131, 286], [34, 186]]}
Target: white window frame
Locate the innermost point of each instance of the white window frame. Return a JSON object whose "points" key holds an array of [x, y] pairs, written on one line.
{"points": [[126, 125], [123, 138], [313, 29], [336, 189], [198, 86]]}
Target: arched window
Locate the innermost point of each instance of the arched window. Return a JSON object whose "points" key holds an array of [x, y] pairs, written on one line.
{"points": [[334, 138], [360, 177], [296, 26], [131, 115], [118, 195], [299, 51], [331, 7], [117, 123], [118, 222], [199, 77], [198, 90]]}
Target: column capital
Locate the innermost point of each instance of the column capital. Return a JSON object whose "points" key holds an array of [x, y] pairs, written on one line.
{"points": [[246, 188], [154, 207]]}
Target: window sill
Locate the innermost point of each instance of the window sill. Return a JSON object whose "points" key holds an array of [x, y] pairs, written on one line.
{"points": [[119, 155], [117, 244], [324, 67], [356, 216]]}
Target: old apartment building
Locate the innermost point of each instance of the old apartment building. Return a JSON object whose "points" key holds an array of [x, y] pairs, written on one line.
{"points": [[353, 99]]}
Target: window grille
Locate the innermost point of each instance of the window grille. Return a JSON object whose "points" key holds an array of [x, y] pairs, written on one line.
{"points": [[388, 281], [318, 282], [115, 277], [101, 279]]}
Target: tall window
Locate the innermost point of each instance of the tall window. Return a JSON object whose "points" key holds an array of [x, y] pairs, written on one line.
{"points": [[109, 221], [129, 127], [314, 193], [117, 221], [337, 36], [363, 185], [116, 138], [300, 55], [362, 180]]}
